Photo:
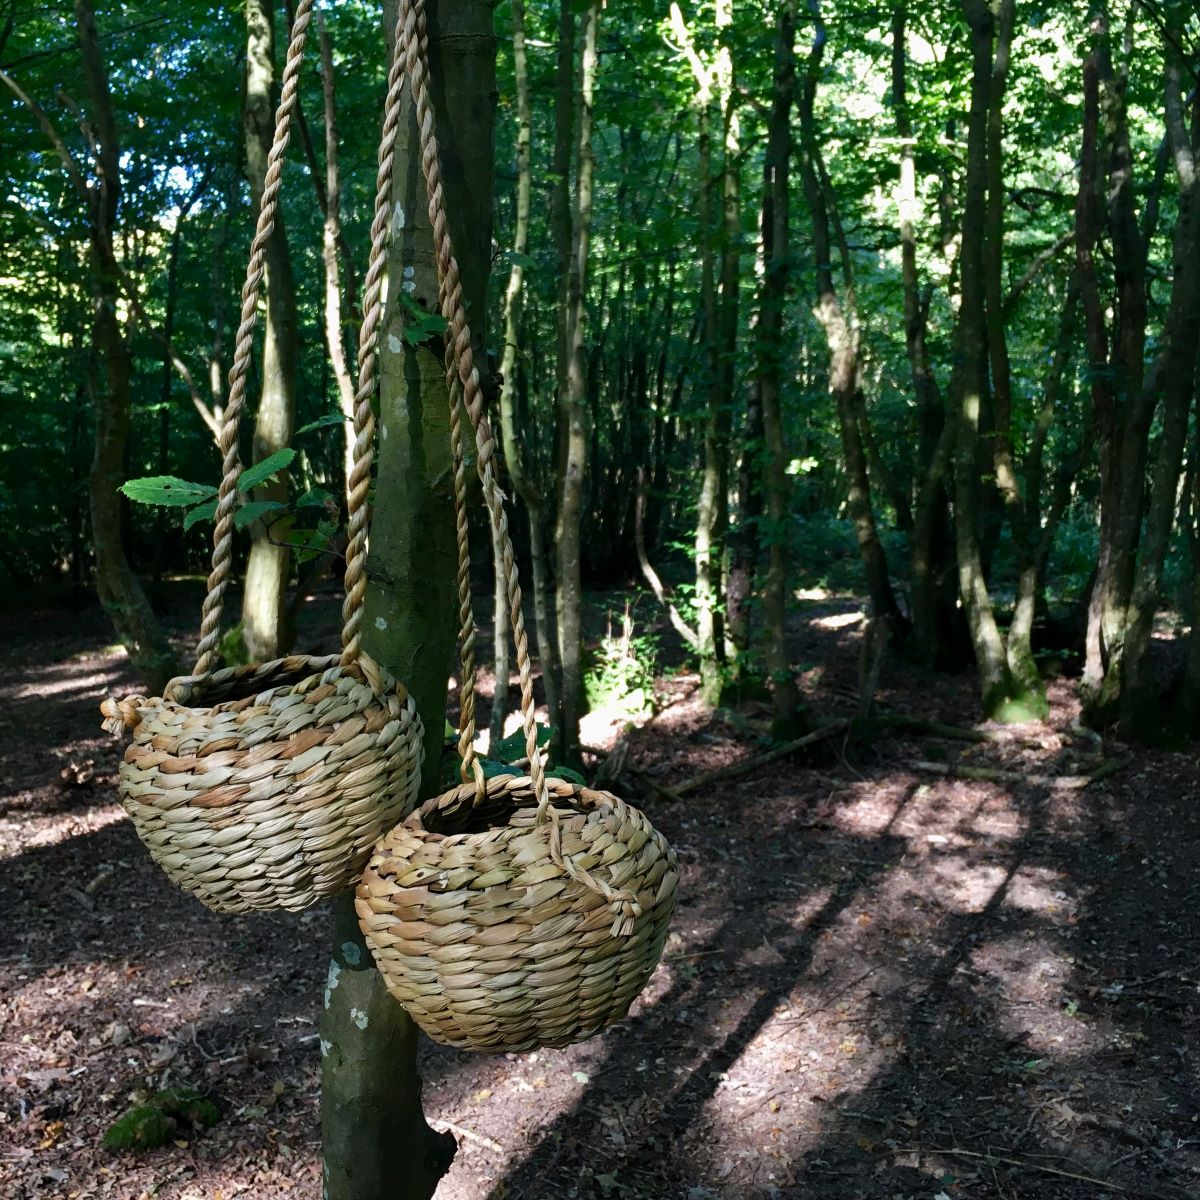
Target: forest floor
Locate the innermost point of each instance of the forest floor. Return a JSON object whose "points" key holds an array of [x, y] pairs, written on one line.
{"points": [[883, 983]]}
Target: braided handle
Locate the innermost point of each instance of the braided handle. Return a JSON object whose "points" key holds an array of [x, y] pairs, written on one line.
{"points": [[231, 461], [358, 483], [412, 23]]}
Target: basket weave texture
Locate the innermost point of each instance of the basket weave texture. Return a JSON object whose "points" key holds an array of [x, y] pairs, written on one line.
{"points": [[272, 793], [491, 946]]}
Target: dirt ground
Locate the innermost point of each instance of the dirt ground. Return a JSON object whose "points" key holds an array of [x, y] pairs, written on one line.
{"points": [[883, 983]]}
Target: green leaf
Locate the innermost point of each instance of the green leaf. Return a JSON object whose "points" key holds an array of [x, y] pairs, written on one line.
{"points": [[315, 498], [310, 543], [322, 423], [513, 746], [262, 471], [492, 768], [255, 509], [524, 261], [167, 491], [205, 512], [567, 774]]}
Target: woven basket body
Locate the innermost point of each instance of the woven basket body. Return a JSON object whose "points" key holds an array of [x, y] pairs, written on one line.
{"points": [[265, 787], [491, 946]]}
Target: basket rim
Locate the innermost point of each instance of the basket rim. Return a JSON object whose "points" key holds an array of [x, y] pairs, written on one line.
{"points": [[519, 789]]}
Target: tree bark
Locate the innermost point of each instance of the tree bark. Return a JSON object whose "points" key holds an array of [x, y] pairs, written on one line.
{"points": [[377, 1145], [119, 590], [265, 623], [1002, 696], [573, 419], [789, 719], [842, 340], [1140, 709]]}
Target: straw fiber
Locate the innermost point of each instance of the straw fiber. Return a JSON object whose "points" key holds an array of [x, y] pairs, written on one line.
{"points": [[488, 943], [271, 794]]}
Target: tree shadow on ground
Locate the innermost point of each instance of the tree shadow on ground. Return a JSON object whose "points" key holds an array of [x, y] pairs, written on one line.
{"points": [[948, 959]]}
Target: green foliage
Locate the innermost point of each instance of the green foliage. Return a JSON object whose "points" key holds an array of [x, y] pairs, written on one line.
{"points": [[621, 669], [167, 491], [268, 468], [233, 647], [504, 756], [157, 1122]]}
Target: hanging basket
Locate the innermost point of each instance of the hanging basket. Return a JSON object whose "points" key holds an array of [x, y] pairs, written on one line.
{"points": [[487, 943], [264, 787], [519, 911]]}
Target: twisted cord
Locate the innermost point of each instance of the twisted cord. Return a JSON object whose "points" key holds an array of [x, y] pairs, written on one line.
{"points": [[412, 20], [231, 463], [358, 483], [470, 769]]}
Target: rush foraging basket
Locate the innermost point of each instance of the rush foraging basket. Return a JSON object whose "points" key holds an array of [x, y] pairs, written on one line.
{"points": [[265, 786], [487, 942], [518, 911]]}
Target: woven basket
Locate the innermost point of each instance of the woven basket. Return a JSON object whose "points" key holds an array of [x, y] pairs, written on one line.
{"points": [[489, 945], [265, 786]]}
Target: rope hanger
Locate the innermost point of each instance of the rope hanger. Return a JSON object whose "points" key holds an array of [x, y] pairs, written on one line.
{"points": [[464, 385]]}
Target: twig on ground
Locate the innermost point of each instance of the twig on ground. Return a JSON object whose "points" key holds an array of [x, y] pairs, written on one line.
{"points": [[471, 1136], [993, 775], [746, 765], [1026, 1165]]}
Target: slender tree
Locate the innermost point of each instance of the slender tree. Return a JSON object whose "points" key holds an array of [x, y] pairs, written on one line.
{"points": [[265, 624]]}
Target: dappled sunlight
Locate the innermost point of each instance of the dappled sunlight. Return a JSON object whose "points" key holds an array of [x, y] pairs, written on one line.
{"points": [[839, 620], [28, 831]]}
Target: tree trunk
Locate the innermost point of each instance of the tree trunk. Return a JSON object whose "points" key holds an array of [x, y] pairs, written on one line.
{"points": [[120, 591], [842, 340], [712, 506], [1140, 709], [1125, 408], [929, 546], [1019, 644], [331, 240], [514, 458], [265, 623], [789, 721], [573, 447], [1003, 697], [377, 1145]]}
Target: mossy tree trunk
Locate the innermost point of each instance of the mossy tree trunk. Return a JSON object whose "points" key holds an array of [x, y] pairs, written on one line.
{"points": [[377, 1144], [1003, 695]]}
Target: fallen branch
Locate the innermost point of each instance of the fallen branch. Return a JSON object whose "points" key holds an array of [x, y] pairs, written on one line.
{"points": [[659, 789], [954, 733], [993, 775], [746, 765], [680, 626], [1026, 1165]]}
